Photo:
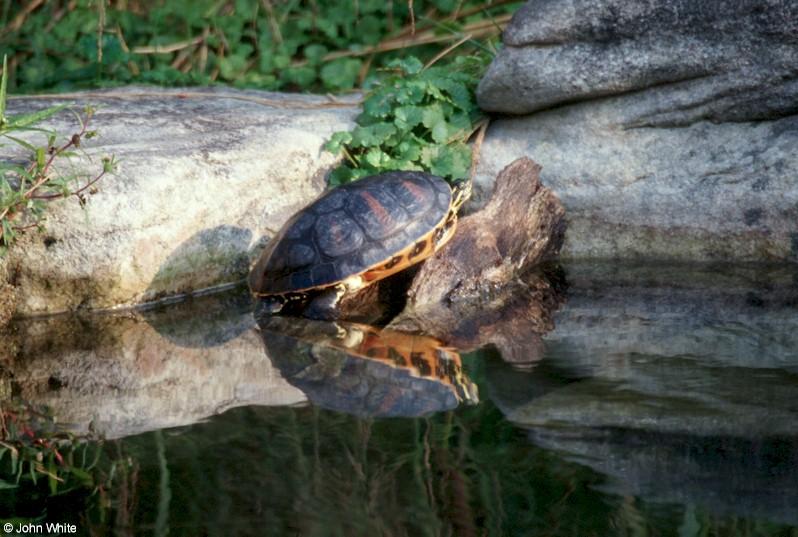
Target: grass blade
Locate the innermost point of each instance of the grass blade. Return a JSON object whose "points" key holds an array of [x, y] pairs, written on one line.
{"points": [[20, 122], [3, 85]]}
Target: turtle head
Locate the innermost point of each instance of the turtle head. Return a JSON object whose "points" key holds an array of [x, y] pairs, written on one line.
{"points": [[461, 191], [269, 305]]}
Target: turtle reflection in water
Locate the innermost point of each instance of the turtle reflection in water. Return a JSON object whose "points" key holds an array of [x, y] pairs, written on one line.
{"points": [[366, 371]]}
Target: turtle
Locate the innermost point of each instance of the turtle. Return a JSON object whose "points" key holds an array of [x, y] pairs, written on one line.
{"points": [[367, 371], [353, 236]]}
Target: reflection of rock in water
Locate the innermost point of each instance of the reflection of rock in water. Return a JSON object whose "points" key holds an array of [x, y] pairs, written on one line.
{"points": [[738, 315], [678, 382], [727, 475], [366, 371], [206, 321], [137, 371]]}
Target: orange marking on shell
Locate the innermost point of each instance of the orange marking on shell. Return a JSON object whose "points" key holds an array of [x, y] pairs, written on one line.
{"points": [[420, 248], [417, 192], [335, 231], [376, 207]]}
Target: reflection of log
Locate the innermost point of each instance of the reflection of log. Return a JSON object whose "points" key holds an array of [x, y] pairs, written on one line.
{"points": [[479, 289], [512, 319]]}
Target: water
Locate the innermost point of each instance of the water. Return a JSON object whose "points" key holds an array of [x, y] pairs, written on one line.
{"points": [[664, 402]]}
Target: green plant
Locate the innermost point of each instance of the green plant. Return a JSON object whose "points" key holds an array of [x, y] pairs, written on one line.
{"points": [[316, 45], [30, 452], [416, 118], [26, 188]]}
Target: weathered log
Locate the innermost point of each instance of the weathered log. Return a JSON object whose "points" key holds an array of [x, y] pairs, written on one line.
{"points": [[479, 288], [521, 226]]}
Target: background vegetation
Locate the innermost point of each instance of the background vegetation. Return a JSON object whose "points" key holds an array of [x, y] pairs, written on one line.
{"points": [[417, 62], [291, 45]]}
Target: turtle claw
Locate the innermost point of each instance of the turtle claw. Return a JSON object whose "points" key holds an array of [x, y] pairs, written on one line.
{"points": [[269, 305]]}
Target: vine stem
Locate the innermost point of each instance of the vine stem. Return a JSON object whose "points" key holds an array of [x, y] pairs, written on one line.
{"points": [[42, 178]]}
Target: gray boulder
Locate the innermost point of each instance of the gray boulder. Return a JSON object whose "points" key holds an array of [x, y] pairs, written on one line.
{"points": [[666, 127], [205, 178], [726, 61]]}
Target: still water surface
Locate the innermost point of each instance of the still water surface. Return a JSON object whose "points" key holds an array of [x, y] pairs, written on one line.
{"points": [[664, 402]]}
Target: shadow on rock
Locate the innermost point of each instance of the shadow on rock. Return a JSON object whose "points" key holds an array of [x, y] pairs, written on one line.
{"points": [[211, 257], [366, 371]]}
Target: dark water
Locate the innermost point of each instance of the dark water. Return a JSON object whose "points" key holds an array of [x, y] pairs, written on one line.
{"points": [[664, 402]]}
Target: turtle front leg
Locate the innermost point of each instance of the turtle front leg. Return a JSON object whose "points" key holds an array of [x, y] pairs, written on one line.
{"points": [[269, 305], [324, 306]]}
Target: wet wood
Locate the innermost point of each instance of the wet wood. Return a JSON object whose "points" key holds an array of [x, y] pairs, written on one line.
{"points": [[511, 318], [488, 285]]}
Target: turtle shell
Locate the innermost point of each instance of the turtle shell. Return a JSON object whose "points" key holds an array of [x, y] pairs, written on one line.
{"points": [[353, 229], [365, 371]]}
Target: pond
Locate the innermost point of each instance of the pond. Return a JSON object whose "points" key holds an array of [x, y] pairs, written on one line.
{"points": [[663, 402]]}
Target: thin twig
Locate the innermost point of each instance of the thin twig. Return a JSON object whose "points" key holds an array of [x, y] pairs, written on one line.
{"points": [[133, 66], [475, 30], [100, 29], [75, 193], [447, 50], [203, 52], [277, 36], [477, 147], [19, 20], [168, 49]]}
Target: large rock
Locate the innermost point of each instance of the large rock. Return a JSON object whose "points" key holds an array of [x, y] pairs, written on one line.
{"points": [[666, 127], [205, 176]]}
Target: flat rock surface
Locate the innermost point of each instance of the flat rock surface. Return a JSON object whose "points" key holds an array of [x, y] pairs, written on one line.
{"points": [[205, 177], [667, 128]]}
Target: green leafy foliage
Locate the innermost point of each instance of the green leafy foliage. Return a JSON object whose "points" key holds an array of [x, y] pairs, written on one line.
{"points": [[414, 119], [32, 454], [27, 186], [307, 45]]}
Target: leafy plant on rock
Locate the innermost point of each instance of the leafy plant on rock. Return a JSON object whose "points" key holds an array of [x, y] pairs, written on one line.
{"points": [[415, 118], [27, 186]]}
